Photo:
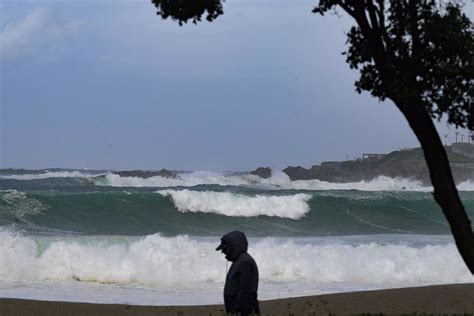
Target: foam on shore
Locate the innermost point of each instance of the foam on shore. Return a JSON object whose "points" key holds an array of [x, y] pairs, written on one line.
{"points": [[157, 261]]}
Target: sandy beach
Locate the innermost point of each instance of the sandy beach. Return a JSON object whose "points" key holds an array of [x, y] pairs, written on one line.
{"points": [[440, 299]]}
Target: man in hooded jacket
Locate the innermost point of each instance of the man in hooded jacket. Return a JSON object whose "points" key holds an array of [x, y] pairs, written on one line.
{"points": [[241, 284]]}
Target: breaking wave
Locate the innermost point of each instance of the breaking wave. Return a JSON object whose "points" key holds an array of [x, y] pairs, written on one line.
{"points": [[184, 180], [278, 181], [230, 204], [210, 211], [381, 183], [47, 175], [156, 260], [466, 186]]}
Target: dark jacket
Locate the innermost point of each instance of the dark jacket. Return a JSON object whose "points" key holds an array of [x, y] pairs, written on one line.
{"points": [[241, 284]]}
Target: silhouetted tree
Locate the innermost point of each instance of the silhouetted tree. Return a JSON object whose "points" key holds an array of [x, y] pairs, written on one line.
{"points": [[184, 10], [417, 53]]}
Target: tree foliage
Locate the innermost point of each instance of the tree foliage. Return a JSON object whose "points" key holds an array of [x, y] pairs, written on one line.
{"points": [[424, 49], [185, 10]]}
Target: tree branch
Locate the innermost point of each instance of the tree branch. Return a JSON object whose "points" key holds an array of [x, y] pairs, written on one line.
{"points": [[346, 7], [375, 43], [380, 10], [373, 16], [415, 34]]}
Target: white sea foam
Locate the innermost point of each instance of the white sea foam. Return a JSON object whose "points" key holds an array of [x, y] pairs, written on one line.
{"points": [[157, 261], [466, 186], [278, 181], [185, 180], [17, 202], [46, 175], [230, 204], [378, 184]]}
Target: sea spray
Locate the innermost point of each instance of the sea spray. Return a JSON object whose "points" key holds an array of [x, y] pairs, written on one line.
{"points": [[277, 181]]}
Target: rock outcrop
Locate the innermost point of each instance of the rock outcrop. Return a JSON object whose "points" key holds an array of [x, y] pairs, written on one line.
{"points": [[262, 172], [147, 174]]}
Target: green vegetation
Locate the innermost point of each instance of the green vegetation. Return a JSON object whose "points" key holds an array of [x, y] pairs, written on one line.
{"points": [[417, 154]]}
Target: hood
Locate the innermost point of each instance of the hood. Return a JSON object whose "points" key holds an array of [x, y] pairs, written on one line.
{"points": [[239, 243]]}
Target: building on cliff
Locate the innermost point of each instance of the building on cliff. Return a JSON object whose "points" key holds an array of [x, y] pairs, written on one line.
{"points": [[372, 156]]}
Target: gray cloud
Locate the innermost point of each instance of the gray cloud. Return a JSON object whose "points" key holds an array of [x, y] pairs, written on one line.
{"points": [[17, 37], [36, 30]]}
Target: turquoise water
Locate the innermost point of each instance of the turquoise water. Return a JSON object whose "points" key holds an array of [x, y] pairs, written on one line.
{"points": [[75, 205]]}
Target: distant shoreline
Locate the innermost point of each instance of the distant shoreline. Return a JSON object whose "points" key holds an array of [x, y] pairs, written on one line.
{"points": [[436, 299], [407, 164]]}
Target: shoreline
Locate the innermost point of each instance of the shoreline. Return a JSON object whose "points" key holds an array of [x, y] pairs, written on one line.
{"points": [[435, 299]]}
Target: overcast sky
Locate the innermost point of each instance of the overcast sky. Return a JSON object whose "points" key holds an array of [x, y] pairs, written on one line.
{"points": [[109, 84]]}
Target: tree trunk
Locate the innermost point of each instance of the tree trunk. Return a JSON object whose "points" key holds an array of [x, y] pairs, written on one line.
{"points": [[445, 192]]}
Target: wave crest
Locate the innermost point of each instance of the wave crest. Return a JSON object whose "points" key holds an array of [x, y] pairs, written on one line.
{"points": [[229, 204], [278, 181], [183, 180], [47, 175]]}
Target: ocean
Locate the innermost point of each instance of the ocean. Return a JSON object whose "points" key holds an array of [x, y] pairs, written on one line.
{"points": [[93, 236]]}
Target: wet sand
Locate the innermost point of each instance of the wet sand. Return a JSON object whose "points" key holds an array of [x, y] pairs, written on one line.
{"points": [[440, 299]]}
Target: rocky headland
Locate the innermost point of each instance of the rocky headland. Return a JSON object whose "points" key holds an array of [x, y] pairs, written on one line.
{"points": [[408, 163]]}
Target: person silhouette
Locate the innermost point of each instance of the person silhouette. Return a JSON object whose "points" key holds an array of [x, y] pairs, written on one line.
{"points": [[241, 284]]}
